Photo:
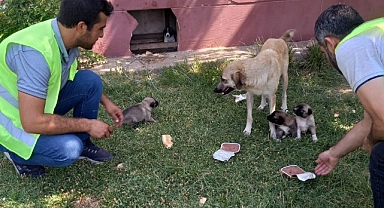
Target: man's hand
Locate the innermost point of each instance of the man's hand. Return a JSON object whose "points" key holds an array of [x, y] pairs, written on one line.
{"points": [[100, 130], [325, 163], [115, 112]]}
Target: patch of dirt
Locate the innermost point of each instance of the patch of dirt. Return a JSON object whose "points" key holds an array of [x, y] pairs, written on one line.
{"points": [[86, 202]]}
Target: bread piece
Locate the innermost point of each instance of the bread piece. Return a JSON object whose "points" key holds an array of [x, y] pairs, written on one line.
{"points": [[167, 141]]}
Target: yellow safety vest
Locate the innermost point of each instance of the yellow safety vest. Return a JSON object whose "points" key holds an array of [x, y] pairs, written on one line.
{"points": [[40, 37]]}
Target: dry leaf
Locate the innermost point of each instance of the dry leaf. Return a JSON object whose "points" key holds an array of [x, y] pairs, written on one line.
{"points": [[336, 115], [202, 200], [86, 202], [120, 166]]}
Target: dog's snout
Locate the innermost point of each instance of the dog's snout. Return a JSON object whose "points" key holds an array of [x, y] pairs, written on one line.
{"points": [[217, 90], [154, 104]]}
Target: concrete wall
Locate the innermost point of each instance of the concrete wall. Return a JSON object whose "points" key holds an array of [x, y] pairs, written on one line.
{"points": [[215, 23]]}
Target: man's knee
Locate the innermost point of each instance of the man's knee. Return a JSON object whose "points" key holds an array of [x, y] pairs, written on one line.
{"points": [[73, 149], [377, 152], [69, 152], [91, 78], [376, 169]]}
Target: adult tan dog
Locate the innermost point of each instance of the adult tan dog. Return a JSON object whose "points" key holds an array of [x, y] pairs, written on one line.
{"points": [[260, 76]]}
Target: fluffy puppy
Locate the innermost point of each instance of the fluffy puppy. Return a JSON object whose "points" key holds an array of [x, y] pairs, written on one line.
{"points": [[285, 124], [140, 112], [305, 120], [169, 35]]}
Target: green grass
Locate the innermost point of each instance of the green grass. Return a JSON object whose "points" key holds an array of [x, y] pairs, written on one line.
{"points": [[199, 121]]}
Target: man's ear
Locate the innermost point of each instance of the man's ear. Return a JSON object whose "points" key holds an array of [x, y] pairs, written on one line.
{"points": [[81, 27], [331, 43]]}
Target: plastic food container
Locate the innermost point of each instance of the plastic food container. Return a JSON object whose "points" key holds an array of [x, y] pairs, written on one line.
{"points": [[294, 171], [231, 147], [226, 151]]}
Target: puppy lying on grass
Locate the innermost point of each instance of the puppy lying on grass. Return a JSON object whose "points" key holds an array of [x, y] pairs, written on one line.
{"points": [[141, 112]]}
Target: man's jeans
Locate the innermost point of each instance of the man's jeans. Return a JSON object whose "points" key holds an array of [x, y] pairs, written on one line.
{"points": [[83, 95], [376, 169]]}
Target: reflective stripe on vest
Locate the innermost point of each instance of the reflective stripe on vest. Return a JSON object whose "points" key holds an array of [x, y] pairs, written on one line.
{"points": [[362, 28]]}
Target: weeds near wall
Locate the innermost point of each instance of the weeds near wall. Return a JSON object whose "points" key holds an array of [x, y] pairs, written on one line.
{"points": [[89, 59], [314, 59]]}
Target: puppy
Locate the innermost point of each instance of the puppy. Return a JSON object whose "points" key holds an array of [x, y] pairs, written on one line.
{"points": [[285, 124], [305, 120], [140, 112], [169, 35], [260, 76]]}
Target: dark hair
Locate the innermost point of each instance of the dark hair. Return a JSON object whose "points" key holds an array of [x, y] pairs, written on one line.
{"points": [[337, 21], [74, 11]]}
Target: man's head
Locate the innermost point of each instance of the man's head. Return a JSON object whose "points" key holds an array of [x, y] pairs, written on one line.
{"points": [[333, 25], [88, 17]]}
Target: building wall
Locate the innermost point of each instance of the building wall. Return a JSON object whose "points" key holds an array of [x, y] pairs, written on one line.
{"points": [[216, 23]]}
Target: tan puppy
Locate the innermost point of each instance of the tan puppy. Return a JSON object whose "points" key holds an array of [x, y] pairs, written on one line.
{"points": [[140, 112], [305, 120], [260, 76], [285, 124]]}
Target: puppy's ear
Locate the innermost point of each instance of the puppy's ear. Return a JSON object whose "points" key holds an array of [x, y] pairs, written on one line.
{"points": [[309, 111], [280, 120]]}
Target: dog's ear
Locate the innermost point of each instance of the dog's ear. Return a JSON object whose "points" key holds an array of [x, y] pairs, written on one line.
{"points": [[309, 111], [239, 79], [154, 104], [236, 78], [280, 120]]}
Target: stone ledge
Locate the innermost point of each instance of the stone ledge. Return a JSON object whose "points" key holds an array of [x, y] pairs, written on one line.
{"points": [[150, 61]]}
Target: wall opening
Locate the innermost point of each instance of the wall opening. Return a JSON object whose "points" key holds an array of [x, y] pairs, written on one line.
{"points": [[149, 34]]}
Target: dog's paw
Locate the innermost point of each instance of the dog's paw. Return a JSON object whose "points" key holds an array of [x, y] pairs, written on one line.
{"points": [[152, 120], [247, 132], [314, 138], [274, 136], [277, 140], [297, 138], [261, 106]]}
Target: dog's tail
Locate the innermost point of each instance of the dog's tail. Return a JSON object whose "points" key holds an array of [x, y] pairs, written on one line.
{"points": [[288, 35]]}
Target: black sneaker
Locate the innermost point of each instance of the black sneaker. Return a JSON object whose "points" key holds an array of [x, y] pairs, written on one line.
{"points": [[94, 153], [33, 171]]}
